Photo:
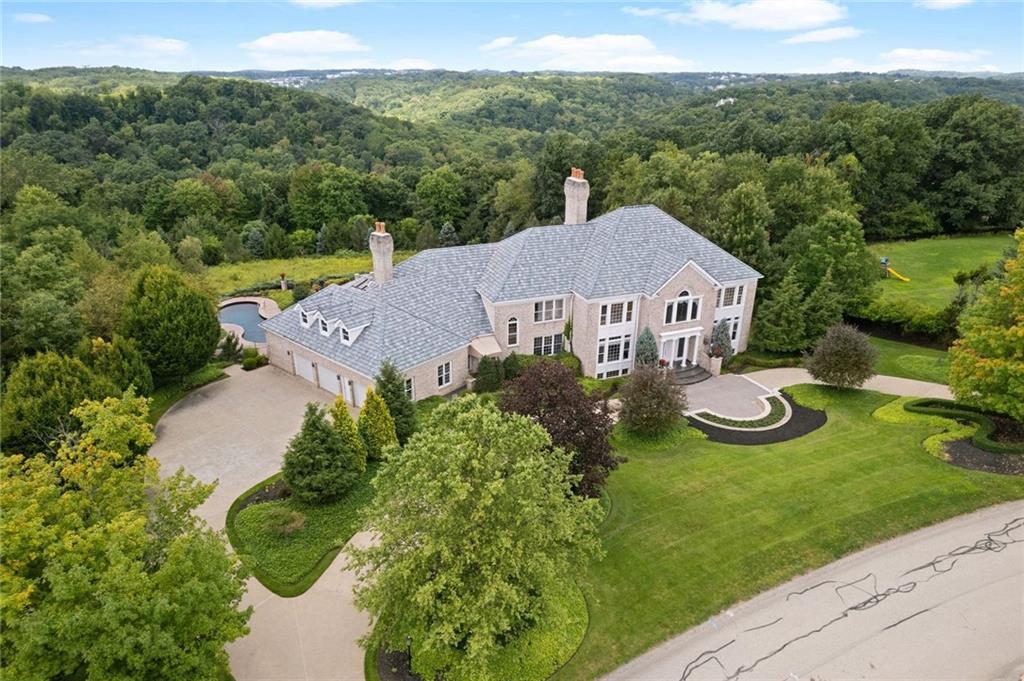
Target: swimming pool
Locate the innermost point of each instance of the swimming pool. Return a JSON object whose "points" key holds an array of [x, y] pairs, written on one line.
{"points": [[247, 316]]}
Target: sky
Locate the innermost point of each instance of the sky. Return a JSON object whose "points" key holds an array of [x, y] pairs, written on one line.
{"points": [[753, 36]]}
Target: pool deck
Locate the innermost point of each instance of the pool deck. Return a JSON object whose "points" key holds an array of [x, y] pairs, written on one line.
{"points": [[267, 308]]}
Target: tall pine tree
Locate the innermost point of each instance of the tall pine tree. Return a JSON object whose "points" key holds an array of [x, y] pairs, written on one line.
{"points": [[391, 386], [779, 326], [376, 426], [822, 309], [318, 466]]}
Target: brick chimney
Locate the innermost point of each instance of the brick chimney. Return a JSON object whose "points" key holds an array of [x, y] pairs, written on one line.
{"points": [[382, 247], [577, 191]]}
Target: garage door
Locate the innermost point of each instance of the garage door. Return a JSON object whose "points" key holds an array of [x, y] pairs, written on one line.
{"points": [[329, 380], [304, 368]]}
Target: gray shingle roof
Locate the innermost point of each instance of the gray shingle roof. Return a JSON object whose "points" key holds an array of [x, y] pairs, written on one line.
{"points": [[631, 250], [433, 305]]}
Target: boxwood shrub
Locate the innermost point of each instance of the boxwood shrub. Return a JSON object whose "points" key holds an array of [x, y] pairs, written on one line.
{"points": [[986, 427]]}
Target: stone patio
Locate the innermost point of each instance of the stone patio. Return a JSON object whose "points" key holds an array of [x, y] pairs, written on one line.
{"points": [[730, 395]]}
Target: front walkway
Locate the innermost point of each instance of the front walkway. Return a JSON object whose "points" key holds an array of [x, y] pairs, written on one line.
{"points": [[734, 396], [776, 379]]}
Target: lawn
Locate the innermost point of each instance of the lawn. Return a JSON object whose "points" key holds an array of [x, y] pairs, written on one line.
{"points": [[288, 565], [910, 361], [164, 397], [224, 279], [698, 526], [931, 263]]}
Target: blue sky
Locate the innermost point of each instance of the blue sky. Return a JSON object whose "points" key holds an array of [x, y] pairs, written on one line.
{"points": [[706, 35]]}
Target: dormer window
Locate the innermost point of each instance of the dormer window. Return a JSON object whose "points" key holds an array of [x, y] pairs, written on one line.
{"points": [[323, 326], [304, 317], [344, 334]]}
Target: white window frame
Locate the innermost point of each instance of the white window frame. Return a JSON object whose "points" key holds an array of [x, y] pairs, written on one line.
{"points": [[687, 301], [625, 313], [512, 332], [737, 291], [547, 344], [345, 336], [325, 328], [304, 318], [410, 388], [444, 374], [550, 310], [624, 344]]}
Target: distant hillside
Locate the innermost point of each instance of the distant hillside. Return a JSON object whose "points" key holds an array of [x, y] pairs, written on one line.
{"points": [[105, 80]]}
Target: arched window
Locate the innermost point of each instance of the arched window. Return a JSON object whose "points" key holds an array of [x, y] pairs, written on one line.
{"points": [[685, 308], [513, 331], [684, 294]]}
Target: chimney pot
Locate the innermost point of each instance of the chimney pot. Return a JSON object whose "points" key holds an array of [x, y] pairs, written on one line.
{"points": [[380, 227]]}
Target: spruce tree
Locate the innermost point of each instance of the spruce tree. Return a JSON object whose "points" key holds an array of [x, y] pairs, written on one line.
{"points": [[646, 348], [376, 426], [391, 386], [318, 467], [721, 341], [346, 427], [822, 309], [779, 326], [448, 235]]}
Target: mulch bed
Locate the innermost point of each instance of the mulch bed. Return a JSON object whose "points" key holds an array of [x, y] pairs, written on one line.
{"points": [[272, 492], [964, 454], [804, 420], [393, 665], [1008, 431]]}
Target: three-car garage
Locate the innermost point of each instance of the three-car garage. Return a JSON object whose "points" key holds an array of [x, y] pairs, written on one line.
{"points": [[327, 379]]}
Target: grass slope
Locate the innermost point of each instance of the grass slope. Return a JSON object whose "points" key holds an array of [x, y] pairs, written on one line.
{"points": [[229, 277], [910, 361], [931, 263], [288, 566], [699, 526]]}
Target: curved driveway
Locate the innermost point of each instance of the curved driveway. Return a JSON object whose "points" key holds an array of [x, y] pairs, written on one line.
{"points": [[235, 431], [945, 602]]}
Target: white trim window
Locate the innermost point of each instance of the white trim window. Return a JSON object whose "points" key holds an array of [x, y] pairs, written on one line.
{"points": [[409, 389], [345, 336], [614, 349], [730, 295], [616, 313], [324, 328], [512, 331], [304, 318], [444, 374], [547, 345], [685, 308], [549, 310]]}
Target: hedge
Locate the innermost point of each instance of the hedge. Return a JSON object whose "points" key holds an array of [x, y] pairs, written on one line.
{"points": [[982, 437]]}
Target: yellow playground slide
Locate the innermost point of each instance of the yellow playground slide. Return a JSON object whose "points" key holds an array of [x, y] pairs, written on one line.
{"points": [[896, 274]]}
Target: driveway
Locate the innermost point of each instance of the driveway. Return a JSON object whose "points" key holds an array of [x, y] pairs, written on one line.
{"points": [[945, 602], [731, 395], [234, 432], [775, 379]]}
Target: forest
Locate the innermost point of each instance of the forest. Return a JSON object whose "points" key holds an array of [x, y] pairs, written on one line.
{"points": [[106, 171]]}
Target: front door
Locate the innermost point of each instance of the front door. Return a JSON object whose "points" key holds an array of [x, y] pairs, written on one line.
{"points": [[682, 346]]}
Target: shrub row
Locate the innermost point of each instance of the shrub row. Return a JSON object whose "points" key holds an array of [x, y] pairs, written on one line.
{"points": [[261, 287], [986, 427]]}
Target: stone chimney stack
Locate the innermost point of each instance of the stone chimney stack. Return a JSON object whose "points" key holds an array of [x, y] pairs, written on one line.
{"points": [[577, 191], [382, 247]]}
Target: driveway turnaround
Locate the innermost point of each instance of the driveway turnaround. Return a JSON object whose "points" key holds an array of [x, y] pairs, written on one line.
{"points": [[731, 395], [945, 602], [234, 432]]}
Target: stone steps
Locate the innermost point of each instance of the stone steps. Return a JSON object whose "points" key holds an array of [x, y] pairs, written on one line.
{"points": [[690, 375]]}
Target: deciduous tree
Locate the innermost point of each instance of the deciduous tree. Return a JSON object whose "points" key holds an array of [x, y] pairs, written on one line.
{"points": [[843, 357], [651, 401]]}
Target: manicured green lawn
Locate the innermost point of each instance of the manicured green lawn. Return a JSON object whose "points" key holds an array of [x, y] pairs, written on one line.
{"points": [[698, 526], [931, 263], [229, 277], [910, 361], [290, 565], [163, 398]]}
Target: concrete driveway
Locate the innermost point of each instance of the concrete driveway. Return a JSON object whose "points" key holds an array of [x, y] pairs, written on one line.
{"points": [[945, 602], [730, 395], [234, 432]]}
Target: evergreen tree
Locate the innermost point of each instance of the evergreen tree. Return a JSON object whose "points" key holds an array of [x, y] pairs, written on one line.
{"points": [[120, 361], [318, 466], [489, 375], [376, 426], [448, 236], [779, 326], [333, 237], [391, 387], [720, 344], [276, 243], [426, 238], [646, 348], [173, 323], [255, 238], [346, 427], [822, 309]]}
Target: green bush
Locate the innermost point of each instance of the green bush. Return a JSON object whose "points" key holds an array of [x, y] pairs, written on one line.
{"points": [[490, 374], [513, 366], [300, 291], [843, 357], [252, 359], [318, 464], [282, 521], [651, 402], [986, 427], [376, 426]]}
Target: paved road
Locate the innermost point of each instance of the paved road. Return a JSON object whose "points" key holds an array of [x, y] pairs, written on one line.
{"points": [[946, 602], [235, 432], [775, 379]]}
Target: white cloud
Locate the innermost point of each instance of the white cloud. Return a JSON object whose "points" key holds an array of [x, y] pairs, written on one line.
{"points": [[32, 18], [942, 4], [498, 43], [323, 4], [761, 15], [145, 51], [305, 42], [824, 35], [602, 52], [154, 44]]}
